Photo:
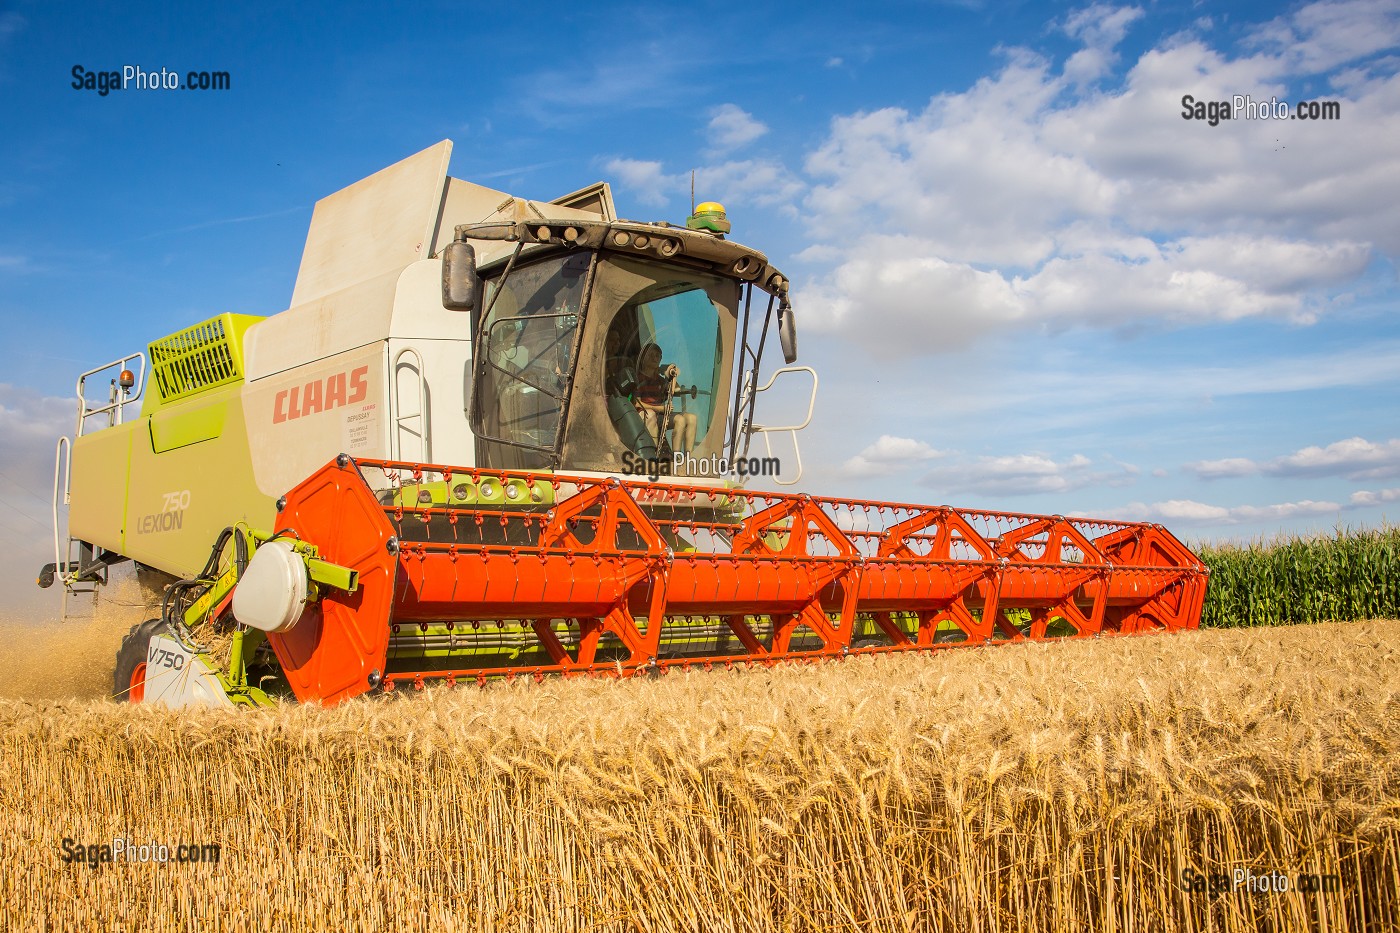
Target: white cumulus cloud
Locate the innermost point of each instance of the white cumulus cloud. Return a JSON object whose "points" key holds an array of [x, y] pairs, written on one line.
{"points": [[643, 178], [760, 182], [1031, 200], [1321, 36], [1100, 27], [1224, 468], [1191, 512], [1027, 474], [731, 127], [1367, 497], [1354, 458], [30, 425], [889, 454]]}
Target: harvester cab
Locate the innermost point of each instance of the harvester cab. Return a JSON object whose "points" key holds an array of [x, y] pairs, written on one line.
{"points": [[494, 437], [606, 346]]}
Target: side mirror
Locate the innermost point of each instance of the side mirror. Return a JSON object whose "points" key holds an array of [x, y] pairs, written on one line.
{"points": [[787, 332], [459, 279]]}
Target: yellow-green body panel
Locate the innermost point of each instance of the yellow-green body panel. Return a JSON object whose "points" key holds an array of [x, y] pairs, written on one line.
{"points": [[180, 426], [180, 498], [97, 504], [161, 488]]}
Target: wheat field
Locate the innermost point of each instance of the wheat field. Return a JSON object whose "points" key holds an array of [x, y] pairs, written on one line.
{"points": [[1060, 786]]}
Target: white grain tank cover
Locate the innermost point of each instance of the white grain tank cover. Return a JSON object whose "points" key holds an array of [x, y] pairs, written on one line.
{"points": [[272, 591]]}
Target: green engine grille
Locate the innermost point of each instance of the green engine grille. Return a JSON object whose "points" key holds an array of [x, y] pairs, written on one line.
{"points": [[202, 357]]}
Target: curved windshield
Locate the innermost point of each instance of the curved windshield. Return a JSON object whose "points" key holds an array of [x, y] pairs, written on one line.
{"points": [[662, 338], [639, 386]]}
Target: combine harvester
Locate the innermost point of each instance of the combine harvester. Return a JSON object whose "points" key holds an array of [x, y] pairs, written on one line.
{"points": [[494, 437]]}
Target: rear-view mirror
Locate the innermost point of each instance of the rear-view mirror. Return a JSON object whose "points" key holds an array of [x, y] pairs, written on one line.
{"points": [[787, 332], [459, 278]]}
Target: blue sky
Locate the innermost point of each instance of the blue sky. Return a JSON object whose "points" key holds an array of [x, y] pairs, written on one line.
{"points": [[1027, 281]]}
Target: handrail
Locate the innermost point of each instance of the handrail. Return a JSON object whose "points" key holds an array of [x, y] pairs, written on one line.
{"points": [[811, 402], [797, 452], [421, 414], [118, 399], [62, 479], [792, 429]]}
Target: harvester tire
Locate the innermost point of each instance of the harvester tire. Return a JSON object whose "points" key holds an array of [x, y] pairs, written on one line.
{"points": [[128, 683]]}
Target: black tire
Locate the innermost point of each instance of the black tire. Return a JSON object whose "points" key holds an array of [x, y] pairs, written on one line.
{"points": [[131, 656]]}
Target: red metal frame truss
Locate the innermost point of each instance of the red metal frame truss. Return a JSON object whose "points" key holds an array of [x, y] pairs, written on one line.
{"points": [[791, 576]]}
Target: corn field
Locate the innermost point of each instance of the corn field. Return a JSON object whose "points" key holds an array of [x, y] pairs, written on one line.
{"points": [[1346, 576], [1059, 786]]}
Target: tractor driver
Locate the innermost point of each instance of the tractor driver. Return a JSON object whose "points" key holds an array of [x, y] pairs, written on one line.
{"points": [[655, 390]]}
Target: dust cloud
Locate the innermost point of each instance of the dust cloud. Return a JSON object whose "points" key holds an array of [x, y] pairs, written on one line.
{"points": [[52, 659]]}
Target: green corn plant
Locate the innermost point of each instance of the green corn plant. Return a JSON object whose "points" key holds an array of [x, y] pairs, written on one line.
{"points": [[1345, 576]]}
